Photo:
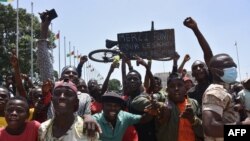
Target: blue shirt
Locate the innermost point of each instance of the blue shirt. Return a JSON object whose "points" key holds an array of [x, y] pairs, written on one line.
{"points": [[124, 119]]}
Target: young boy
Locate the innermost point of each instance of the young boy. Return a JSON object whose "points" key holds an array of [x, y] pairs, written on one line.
{"points": [[18, 129]]}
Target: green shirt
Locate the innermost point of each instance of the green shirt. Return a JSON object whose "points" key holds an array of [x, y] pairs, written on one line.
{"points": [[124, 120]]}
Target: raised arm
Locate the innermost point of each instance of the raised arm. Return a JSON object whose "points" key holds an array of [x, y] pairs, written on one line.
{"points": [[83, 59], [147, 79], [125, 60], [29, 81], [148, 72], [44, 57], [208, 54], [106, 82], [175, 60], [186, 58], [17, 74]]}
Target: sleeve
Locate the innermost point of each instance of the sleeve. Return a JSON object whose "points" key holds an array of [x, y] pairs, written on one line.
{"points": [[216, 101], [84, 104], [140, 102], [97, 116], [242, 98], [87, 105], [131, 118], [44, 61], [50, 112]]}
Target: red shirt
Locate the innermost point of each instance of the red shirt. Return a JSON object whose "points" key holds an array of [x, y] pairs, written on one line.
{"points": [[95, 107], [30, 133], [130, 134]]}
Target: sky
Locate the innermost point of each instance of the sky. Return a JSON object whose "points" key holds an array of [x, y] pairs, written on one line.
{"points": [[88, 23]]}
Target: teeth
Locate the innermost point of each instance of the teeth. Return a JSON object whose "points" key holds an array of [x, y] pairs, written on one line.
{"points": [[62, 104]]}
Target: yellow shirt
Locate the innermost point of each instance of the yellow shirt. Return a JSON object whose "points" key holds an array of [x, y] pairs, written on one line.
{"points": [[3, 122]]}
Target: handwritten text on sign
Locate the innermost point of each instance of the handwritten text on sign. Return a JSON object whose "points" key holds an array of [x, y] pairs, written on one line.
{"points": [[149, 44]]}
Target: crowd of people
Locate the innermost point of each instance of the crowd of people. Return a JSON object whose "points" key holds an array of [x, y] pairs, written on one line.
{"points": [[71, 109]]}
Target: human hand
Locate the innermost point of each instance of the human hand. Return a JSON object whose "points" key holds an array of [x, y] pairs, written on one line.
{"points": [[176, 56], [44, 24], [155, 107], [238, 107], [139, 61], [83, 59], [13, 60], [188, 113], [190, 23], [91, 127], [186, 58], [47, 86], [246, 121]]}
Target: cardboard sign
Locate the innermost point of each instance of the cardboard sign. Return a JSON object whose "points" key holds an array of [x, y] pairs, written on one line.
{"points": [[155, 44]]}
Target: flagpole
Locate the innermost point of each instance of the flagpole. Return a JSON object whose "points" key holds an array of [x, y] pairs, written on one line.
{"points": [[17, 27], [69, 54], [87, 76], [65, 51], [84, 70], [238, 59], [74, 56], [59, 52], [31, 44]]}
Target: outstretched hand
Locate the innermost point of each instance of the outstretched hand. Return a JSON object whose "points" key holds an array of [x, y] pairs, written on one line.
{"points": [[188, 113], [91, 126], [190, 23], [158, 109]]}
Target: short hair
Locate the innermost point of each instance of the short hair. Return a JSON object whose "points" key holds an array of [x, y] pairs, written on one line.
{"points": [[174, 76], [157, 78], [131, 71], [8, 92], [18, 98]]}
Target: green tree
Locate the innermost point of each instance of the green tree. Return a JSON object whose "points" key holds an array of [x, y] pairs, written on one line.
{"points": [[114, 85], [8, 38]]}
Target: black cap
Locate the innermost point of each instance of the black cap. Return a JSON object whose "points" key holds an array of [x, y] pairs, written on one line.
{"points": [[112, 97]]}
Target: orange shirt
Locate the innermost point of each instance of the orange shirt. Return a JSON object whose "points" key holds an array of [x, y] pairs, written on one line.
{"points": [[186, 132]]}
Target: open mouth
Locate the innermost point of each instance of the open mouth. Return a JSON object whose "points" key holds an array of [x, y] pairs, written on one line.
{"points": [[177, 95], [62, 104], [12, 118], [112, 114]]}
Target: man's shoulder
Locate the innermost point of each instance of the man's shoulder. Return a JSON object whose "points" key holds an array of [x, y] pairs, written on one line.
{"points": [[45, 124], [83, 96]]}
